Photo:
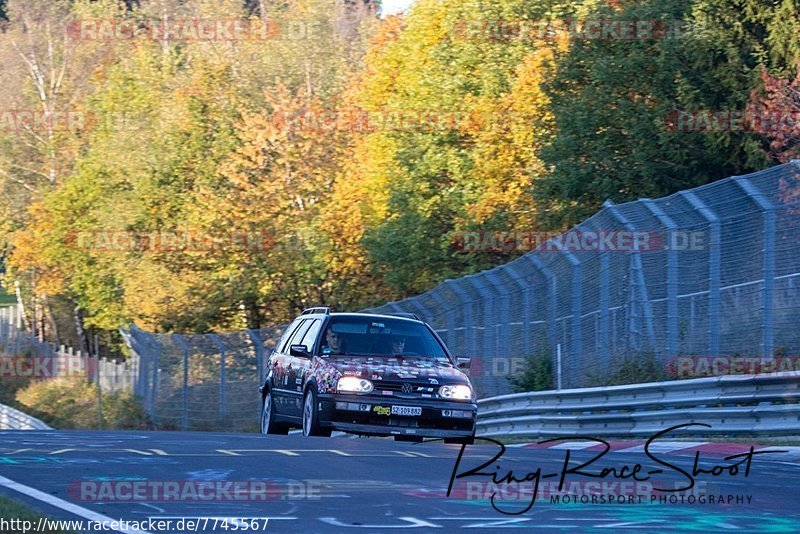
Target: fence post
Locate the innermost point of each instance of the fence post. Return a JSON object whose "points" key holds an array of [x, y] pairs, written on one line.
{"points": [[602, 333], [258, 347], [576, 347], [768, 267], [637, 278], [526, 308], [185, 349], [469, 325], [489, 334], [421, 310], [713, 270], [152, 391], [214, 339], [503, 329], [672, 276], [3, 329], [443, 309], [552, 289]]}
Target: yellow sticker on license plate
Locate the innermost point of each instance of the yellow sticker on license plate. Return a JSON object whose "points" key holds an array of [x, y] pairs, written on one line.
{"points": [[406, 410]]}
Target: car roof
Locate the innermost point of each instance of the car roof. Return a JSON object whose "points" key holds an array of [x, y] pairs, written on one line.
{"points": [[357, 314]]}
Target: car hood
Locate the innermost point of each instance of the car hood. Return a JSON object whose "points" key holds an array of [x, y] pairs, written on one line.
{"points": [[411, 369]]}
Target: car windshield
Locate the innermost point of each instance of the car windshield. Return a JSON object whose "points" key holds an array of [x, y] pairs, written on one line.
{"points": [[369, 336]]}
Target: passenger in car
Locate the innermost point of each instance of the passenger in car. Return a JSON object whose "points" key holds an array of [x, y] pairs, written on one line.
{"points": [[398, 345]]}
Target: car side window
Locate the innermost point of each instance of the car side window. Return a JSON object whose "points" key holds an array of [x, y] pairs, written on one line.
{"points": [[311, 335], [281, 346], [298, 327], [297, 337]]}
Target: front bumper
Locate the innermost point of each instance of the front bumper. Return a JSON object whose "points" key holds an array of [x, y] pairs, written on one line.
{"points": [[377, 420]]}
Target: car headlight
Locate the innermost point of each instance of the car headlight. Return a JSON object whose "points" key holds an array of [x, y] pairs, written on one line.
{"points": [[459, 392], [354, 384]]}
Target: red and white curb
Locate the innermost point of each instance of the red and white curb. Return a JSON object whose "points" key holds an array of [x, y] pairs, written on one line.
{"points": [[680, 448]]}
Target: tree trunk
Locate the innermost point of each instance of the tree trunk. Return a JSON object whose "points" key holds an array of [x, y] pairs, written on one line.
{"points": [[83, 341], [52, 321], [21, 304], [252, 313]]}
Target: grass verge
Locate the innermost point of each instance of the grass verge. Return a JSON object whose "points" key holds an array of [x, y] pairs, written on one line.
{"points": [[71, 403], [11, 511]]}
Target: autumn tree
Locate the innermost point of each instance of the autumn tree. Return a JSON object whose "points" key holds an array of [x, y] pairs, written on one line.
{"points": [[47, 76], [774, 112], [468, 161]]}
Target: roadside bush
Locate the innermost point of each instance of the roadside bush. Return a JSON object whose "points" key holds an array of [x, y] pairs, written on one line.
{"points": [[636, 370], [537, 376], [72, 404], [9, 384]]}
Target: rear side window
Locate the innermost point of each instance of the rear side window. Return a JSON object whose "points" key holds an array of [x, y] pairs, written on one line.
{"points": [[281, 346], [311, 335], [293, 338]]}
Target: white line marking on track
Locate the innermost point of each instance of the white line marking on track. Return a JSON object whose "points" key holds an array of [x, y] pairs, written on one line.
{"points": [[64, 505], [575, 445], [61, 451]]}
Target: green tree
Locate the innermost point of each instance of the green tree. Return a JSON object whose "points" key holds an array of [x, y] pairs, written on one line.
{"points": [[472, 173], [537, 376], [614, 101]]}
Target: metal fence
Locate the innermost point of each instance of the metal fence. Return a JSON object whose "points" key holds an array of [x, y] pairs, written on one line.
{"points": [[721, 280], [12, 419], [720, 277], [22, 355], [201, 382], [14, 340]]}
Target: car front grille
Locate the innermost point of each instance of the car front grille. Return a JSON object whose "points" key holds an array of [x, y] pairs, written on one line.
{"points": [[411, 390]]}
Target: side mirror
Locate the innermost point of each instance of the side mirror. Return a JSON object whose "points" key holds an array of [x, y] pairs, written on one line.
{"points": [[300, 351], [463, 363]]}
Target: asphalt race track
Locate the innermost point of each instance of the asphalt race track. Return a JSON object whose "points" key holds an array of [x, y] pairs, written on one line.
{"points": [[341, 484]]}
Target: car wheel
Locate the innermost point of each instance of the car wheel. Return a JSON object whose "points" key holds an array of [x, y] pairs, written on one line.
{"points": [[311, 426], [268, 423]]}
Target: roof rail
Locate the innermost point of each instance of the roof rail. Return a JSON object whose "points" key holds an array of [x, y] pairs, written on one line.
{"points": [[406, 315], [321, 309]]}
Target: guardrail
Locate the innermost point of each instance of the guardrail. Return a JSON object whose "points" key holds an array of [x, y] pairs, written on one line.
{"points": [[11, 419], [753, 404]]}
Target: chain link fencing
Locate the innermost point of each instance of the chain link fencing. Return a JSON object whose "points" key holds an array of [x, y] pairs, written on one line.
{"points": [[716, 273], [25, 357], [712, 271], [201, 382]]}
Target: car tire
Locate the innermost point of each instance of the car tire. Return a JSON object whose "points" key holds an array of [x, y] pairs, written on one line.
{"points": [[268, 423], [311, 426]]}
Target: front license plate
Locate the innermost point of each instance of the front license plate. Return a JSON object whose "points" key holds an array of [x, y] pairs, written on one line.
{"points": [[406, 410]]}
